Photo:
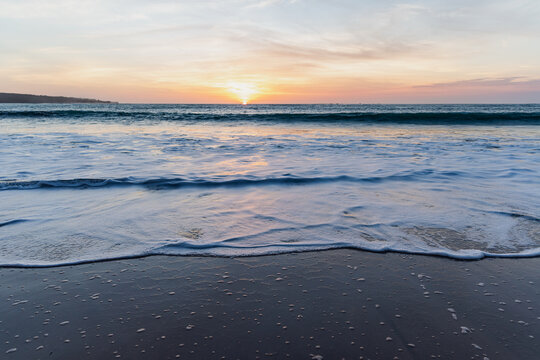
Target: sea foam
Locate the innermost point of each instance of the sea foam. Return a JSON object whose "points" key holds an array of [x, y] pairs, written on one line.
{"points": [[83, 183]]}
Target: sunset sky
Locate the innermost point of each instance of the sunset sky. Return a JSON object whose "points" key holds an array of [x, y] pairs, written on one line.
{"points": [[273, 51]]}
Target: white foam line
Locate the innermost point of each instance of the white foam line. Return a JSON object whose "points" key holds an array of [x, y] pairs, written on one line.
{"points": [[280, 249]]}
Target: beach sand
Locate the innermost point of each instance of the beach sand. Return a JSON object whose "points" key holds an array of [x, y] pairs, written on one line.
{"points": [[316, 305]]}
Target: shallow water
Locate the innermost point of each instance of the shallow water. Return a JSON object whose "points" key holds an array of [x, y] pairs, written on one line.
{"points": [[90, 182]]}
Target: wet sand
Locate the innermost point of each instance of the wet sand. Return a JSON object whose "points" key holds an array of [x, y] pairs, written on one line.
{"points": [[320, 305]]}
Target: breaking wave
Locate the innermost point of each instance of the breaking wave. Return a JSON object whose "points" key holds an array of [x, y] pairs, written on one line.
{"points": [[420, 118]]}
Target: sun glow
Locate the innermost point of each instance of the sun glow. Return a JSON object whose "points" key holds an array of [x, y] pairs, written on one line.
{"points": [[242, 91]]}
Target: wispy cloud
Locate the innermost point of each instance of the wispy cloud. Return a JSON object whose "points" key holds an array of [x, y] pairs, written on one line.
{"points": [[512, 81], [345, 47], [266, 3]]}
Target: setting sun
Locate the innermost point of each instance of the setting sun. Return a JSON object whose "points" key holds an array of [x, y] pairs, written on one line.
{"points": [[242, 91]]}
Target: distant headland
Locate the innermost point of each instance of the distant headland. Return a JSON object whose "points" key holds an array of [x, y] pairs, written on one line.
{"points": [[43, 99]]}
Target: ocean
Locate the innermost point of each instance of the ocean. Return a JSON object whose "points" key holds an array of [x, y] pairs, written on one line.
{"points": [[83, 183]]}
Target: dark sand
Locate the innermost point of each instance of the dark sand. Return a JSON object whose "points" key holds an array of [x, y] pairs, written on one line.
{"points": [[332, 305]]}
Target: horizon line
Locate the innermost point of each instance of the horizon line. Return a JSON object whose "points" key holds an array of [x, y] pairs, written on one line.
{"points": [[113, 102]]}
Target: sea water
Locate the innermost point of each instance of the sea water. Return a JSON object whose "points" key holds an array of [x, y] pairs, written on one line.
{"points": [[88, 182]]}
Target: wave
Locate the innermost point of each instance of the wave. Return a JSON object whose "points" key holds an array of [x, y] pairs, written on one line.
{"points": [[421, 118], [514, 215], [221, 250], [11, 222], [164, 183]]}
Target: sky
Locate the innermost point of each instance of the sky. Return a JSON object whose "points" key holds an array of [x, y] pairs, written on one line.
{"points": [[273, 51]]}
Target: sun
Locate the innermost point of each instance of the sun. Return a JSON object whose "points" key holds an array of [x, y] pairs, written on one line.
{"points": [[243, 91]]}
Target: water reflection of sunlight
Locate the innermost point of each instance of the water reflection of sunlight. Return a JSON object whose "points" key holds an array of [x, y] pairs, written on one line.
{"points": [[239, 166]]}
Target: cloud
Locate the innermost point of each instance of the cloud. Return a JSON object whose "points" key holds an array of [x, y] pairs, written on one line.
{"points": [[511, 89], [266, 3], [421, 45], [504, 82], [326, 52]]}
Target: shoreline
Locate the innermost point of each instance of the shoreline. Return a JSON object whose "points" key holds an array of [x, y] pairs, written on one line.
{"points": [[485, 256], [339, 303]]}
